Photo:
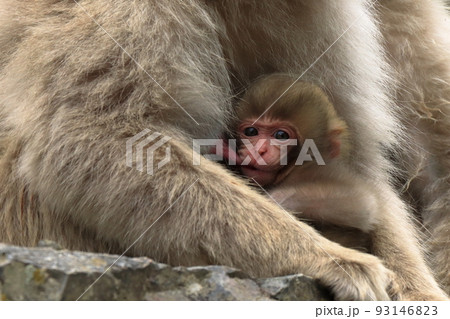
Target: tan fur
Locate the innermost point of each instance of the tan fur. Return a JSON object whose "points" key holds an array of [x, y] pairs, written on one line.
{"points": [[70, 98]]}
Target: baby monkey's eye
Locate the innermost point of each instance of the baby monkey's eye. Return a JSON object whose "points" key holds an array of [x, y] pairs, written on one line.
{"points": [[250, 131], [281, 135]]}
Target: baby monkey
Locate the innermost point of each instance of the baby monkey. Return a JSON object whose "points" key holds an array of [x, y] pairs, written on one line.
{"points": [[297, 147]]}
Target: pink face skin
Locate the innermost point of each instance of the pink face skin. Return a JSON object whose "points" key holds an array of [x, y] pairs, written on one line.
{"points": [[260, 135]]}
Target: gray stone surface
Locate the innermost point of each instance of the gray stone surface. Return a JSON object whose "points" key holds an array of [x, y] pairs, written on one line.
{"points": [[44, 273]]}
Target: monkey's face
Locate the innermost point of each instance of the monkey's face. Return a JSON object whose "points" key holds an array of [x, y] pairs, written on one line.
{"points": [[264, 147]]}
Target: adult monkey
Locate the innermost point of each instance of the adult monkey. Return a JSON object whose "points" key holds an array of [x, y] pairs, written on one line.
{"points": [[73, 89]]}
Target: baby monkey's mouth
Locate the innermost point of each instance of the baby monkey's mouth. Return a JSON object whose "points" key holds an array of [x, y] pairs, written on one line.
{"points": [[262, 177], [260, 167]]}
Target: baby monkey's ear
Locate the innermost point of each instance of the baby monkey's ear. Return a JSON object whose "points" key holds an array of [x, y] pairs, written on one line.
{"points": [[335, 141], [337, 137]]}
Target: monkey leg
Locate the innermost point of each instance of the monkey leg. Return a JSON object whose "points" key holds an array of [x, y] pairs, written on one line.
{"points": [[395, 240], [437, 222], [420, 54], [435, 195], [436, 192]]}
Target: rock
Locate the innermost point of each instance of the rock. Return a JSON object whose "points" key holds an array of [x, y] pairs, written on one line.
{"points": [[49, 244], [44, 273], [294, 287]]}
